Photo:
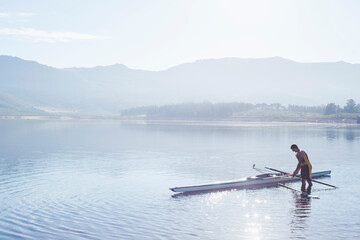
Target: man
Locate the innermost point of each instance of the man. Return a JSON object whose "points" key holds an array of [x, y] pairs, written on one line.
{"points": [[305, 166]]}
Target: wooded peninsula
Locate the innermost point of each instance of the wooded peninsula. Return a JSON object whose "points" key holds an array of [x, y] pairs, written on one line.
{"points": [[235, 111]]}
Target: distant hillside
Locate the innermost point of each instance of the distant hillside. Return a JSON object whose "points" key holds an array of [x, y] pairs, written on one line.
{"points": [[10, 105], [117, 87], [269, 80], [39, 85]]}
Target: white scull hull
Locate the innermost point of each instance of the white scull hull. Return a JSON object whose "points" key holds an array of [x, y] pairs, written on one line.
{"points": [[255, 181]]}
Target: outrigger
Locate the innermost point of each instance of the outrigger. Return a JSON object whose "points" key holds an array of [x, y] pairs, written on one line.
{"points": [[261, 180]]}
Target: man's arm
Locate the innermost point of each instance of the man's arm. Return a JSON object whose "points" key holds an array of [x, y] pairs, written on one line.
{"points": [[300, 157], [297, 169]]}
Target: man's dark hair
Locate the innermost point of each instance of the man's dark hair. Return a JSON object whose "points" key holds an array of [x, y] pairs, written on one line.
{"points": [[294, 146]]}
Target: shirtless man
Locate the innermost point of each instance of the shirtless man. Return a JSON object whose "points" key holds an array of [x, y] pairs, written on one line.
{"points": [[305, 166]]}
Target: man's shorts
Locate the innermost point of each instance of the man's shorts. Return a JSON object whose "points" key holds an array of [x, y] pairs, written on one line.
{"points": [[305, 172]]}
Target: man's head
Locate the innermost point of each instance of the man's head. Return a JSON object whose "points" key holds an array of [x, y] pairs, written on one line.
{"points": [[295, 148]]}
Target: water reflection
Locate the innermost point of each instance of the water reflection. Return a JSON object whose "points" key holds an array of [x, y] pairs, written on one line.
{"points": [[349, 133], [300, 215]]}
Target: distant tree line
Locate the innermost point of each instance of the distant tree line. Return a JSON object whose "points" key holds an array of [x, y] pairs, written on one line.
{"points": [[190, 110], [350, 107], [208, 110], [307, 109]]}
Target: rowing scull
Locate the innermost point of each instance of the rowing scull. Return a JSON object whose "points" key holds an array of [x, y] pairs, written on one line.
{"points": [[266, 179]]}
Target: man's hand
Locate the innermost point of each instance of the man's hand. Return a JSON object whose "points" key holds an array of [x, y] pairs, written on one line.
{"points": [[289, 174]]}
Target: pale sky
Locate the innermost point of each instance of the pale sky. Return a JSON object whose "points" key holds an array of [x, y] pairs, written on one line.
{"points": [[158, 34]]}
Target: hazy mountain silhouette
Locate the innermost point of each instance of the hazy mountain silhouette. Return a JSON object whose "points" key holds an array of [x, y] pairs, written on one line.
{"points": [[112, 88]]}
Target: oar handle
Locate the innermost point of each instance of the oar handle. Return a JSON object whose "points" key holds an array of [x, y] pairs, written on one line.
{"points": [[275, 170]]}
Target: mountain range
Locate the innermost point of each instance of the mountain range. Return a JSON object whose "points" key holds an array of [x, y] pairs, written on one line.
{"points": [[30, 87]]}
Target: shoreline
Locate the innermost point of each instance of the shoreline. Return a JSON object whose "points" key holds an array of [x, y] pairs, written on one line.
{"points": [[190, 122]]}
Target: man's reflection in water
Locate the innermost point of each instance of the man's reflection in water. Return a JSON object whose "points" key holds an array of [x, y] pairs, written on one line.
{"points": [[300, 214], [308, 190]]}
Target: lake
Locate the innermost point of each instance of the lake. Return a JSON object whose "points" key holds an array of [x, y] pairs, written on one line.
{"points": [[92, 179]]}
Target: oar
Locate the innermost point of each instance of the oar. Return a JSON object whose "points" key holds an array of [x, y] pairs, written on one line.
{"points": [[295, 190], [258, 169], [272, 169]]}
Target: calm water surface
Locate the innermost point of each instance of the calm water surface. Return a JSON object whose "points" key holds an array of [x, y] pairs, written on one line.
{"points": [[110, 180]]}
